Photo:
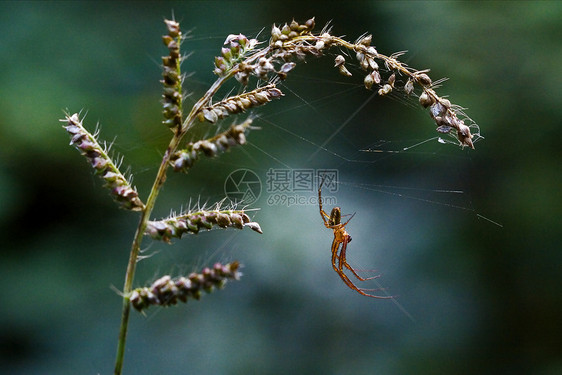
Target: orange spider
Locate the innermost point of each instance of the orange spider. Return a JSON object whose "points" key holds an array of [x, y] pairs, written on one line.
{"points": [[333, 222]]}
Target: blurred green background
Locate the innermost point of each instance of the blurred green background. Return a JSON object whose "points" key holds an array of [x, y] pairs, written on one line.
{"points": [[484, 298]]}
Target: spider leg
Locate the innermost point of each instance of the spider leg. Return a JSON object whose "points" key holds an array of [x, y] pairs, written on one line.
{"points": [[342, 262], [326, 218], [335, 247], [323, 214], [356, 275], [348, 220]]}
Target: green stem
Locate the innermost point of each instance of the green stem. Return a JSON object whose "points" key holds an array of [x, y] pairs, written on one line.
{"points": [[145, 216], [135, 248]]}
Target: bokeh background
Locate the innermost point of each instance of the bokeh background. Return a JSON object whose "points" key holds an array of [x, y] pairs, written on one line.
{"points": [[477, 273]]}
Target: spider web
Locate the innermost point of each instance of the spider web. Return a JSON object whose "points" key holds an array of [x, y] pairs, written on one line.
{"points": [[384, 148]]}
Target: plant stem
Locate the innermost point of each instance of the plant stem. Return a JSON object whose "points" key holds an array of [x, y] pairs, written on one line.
{"points": [[145, 216], [135, 248]]}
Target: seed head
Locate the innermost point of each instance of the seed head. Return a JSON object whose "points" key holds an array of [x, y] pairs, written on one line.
{"points": [[121, 190], [193, 222], [168, 292]]}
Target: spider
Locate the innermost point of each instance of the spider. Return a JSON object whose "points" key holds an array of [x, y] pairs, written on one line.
{"points": [[339, 262]]}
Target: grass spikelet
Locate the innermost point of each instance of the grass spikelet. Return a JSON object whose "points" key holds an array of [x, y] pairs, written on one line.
{"points": [[235, 135], [194, 222], [121, 190], [167, 291]]}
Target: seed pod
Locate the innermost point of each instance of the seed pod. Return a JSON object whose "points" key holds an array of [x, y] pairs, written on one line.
{"points": [[173, 28], [294, 26], [275, 33], [287, 67], [360, 56], [372, 52], [425, 100], [368, 81], [343, 71], [445, 102], [366, 41], [423, 79], [392, 79], [464, 136], [339, 60], [376, 76], [365, 64], [444, 129], [409, 87], [210, 116], [386, 89], [254, 226], [166, 39]]}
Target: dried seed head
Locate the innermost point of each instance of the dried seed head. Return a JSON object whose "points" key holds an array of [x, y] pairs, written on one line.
{"points": [[120, 188], [183, 160], [367, 57], [242, 102], [168, 292], [291, 31], [193, 222], [234, 49], [172, 98]]}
